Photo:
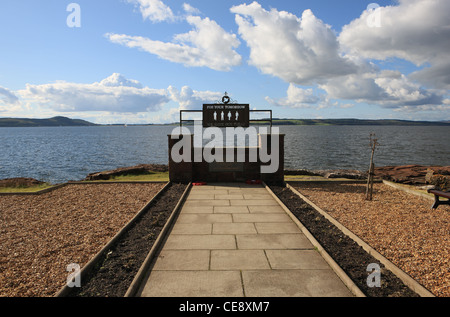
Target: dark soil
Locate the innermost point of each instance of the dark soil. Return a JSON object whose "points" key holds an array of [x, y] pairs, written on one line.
{"points": [[113, 275], [351, 257]]}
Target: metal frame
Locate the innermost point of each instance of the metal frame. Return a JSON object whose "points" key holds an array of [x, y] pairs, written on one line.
{"points": [[250, 120]]}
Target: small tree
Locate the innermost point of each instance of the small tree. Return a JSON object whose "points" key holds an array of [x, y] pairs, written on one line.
{"points": [[369, 188]]}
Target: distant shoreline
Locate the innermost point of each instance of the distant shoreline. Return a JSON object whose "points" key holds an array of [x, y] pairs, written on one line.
{"points": [[68, 122]]}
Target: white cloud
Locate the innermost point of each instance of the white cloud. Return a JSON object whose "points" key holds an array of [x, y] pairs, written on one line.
{"points": [[206, 45], [8, 97], [414, 30], [154, 10], [385, 88], [115, 93], [192, 99], [118, 80], [190, 9], [297, 98], [298, 50], [306, 51]]}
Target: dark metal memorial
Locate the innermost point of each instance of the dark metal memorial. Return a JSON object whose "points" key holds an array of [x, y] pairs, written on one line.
{"points": [[230, 164]]}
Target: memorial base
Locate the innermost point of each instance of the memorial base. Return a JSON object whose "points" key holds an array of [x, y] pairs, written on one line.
{"points": [[237, 170]]}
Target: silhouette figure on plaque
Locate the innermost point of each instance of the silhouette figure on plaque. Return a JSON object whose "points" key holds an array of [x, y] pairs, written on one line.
{"points": [[215, 116], [229, 115], [237, 116], [222, 116]]}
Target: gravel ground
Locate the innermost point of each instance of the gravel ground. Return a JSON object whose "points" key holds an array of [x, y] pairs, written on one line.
{"points": [[41, 235], [399, 225]]}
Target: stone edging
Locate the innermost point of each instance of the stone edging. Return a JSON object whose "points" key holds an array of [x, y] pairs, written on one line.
{"points": [[65, 290], [334, 266], [47, 190], [135, 285], [405, 188], [408, 280]]}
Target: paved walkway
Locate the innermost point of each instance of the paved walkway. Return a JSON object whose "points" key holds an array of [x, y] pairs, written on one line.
{"points": [[233, 240]]}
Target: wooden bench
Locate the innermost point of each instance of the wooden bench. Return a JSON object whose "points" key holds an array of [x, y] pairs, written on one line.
{"points": [[437, 194]]}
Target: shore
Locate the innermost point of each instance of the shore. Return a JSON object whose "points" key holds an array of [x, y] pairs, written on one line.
{"points": [[406, 174]]}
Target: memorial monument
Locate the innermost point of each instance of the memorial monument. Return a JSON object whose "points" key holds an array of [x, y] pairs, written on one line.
{"points": [[236, 152]]}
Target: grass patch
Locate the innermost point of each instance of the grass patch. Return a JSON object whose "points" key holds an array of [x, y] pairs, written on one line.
{"points": [[25, 189], [149, 177]]}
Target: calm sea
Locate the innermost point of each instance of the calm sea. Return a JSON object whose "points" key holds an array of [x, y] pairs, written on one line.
{"points": [[60, 154]]}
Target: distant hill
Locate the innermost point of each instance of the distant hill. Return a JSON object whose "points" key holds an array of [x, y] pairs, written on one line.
{"points": [[66, 122], [52, 122], [356, 122]]}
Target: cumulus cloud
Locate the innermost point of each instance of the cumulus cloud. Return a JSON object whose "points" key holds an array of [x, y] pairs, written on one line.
{"points": [[297, 98], [115, 93], [207, 45], [298, 50], [387, 88], [154, 10], [8, 97], [304, 51], [190, 9], [190, 99], [415, 30]]}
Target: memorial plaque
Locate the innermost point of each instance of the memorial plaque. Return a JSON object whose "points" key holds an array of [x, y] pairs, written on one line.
{"points": [[226, 167], [226, 115]]}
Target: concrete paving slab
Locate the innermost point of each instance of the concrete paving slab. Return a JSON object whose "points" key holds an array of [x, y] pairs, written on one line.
{"points": [[192, 228], [273, 241], [234, 228], [261, 218], [293, 283], [245, 191], [182, 260], [239, 260], [266, 209], [296, 259], [257, 196], [231, 209], [197, 210], [254, 202], [200, 242], [229, 196], [193, 284], [233, 240], [212, 192], [204, 218], [194, 196], [277, 227], [206, 202]]}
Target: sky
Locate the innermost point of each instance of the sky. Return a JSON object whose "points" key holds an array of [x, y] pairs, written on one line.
{"points": [[141, 61]]}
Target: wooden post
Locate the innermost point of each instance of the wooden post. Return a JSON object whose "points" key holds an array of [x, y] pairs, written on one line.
{"points": [[369, 188]]}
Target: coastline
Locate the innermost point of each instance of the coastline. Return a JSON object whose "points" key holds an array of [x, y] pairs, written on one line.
{"points": [[412, 174]]}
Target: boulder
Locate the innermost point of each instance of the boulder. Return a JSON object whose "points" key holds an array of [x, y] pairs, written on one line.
{"points": [[20, 182], [409, 174], [138, 169]]}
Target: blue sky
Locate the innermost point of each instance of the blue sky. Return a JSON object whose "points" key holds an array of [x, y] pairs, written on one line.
{"points": [[141, 61]]}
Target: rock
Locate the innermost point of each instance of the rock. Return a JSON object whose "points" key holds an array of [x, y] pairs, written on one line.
{"points": [[20, 182], [300, 172], [138, 169], [441, 182], [410, 174], [350, 174]]}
